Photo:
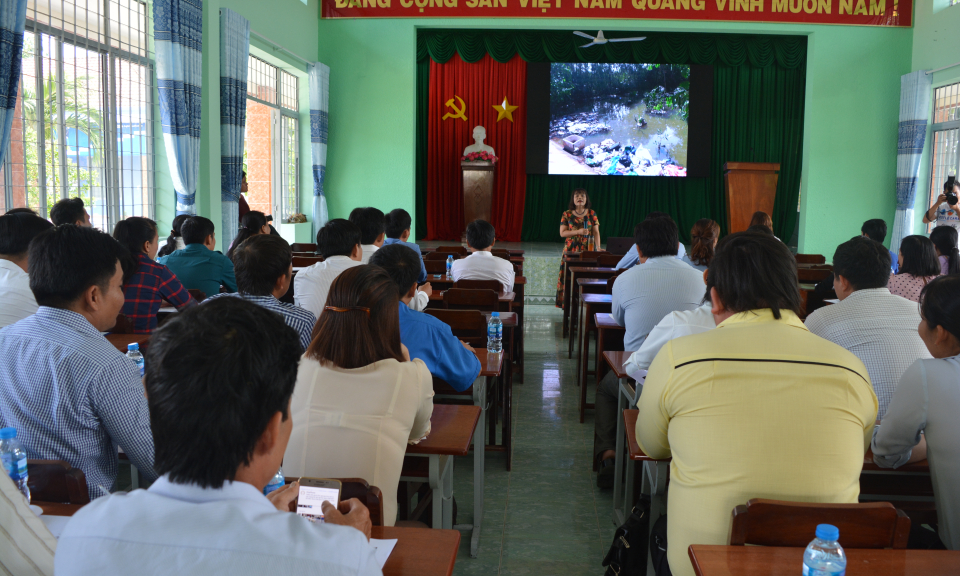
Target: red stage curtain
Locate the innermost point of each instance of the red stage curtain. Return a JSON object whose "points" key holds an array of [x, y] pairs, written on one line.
{"points": [[481, 85]]}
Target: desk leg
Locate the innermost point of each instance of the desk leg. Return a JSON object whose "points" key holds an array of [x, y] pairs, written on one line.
{"points": [[566, 298], [508, 422], [479, 451], [619, 508], [447, 477], [574, 316], [436, 485], [584, 355]]}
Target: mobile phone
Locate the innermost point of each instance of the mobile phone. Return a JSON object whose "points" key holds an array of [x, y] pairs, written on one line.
{"points": [[313, 493]]}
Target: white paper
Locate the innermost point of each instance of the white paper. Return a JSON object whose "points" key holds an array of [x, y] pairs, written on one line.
{"points": [[383, 548], [833, 301], [55, 524]]}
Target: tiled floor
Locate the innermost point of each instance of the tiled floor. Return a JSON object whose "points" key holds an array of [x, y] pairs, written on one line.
{"points": [[546, 516]]}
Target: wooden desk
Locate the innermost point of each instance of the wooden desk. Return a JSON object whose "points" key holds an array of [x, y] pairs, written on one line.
{"points": [[609, 338], [120, 341], [577, 272], [909, 488], [57, 509], [775, 561], [588, 285], [626, 398], [590, 304], [491, 368], [451, 431], [653, 481], [419, 551], [568, 260]]}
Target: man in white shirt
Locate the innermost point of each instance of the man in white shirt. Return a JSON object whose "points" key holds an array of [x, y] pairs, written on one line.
{"points": [[16, 231], [339, 243], [482, 264], [878, 327], [70, 211], [221, 423], [372, 224], [674, 325], [632, 258]]}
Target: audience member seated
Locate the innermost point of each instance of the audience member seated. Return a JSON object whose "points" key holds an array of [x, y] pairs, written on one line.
{"points": [[16, 232], [22, 210], [359, 398], [743, 408], [68, 391], [27, 543], [219, 381], [632, 258], [264, 268], [339, 244], [398, 224], [918, 266], [921, 421], [481, 264], [372, 225], [175, 239], [944, 240], [703, 241], [642, 297], [70, 211], [147, 283], [198, 266], [876, 230], [426, 337], [252, 224], [878, 327]]}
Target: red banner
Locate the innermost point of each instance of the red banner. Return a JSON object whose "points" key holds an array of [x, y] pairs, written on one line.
{"points": [[849, 12]]}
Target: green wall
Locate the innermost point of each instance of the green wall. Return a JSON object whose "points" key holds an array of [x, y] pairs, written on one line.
{"points": [[850, 133]]}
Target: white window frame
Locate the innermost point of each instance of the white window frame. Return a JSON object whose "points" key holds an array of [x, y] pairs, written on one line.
{"points": [[949, 161]]}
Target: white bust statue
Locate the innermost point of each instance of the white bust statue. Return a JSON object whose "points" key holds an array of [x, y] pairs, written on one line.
{"points": [[479, 135]]}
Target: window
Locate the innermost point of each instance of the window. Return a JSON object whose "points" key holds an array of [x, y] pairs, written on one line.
{"points": [[272, 140], [945, 157], [83, 123]]}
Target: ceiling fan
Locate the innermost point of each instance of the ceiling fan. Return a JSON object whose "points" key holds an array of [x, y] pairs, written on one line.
{"points": [[600, 39]]}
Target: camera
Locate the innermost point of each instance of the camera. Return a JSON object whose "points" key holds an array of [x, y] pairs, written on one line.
{"points": [[951, 198]]}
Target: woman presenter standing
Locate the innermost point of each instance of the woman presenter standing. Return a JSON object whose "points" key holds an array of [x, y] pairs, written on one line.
{"points": [[581, 229]]}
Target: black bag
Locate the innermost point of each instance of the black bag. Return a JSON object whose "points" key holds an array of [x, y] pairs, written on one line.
{"points": [[658, 547], [628, 553]]}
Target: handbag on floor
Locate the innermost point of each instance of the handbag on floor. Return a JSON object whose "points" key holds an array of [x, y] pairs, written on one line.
{"points": [[628, 552], [658, 547]]}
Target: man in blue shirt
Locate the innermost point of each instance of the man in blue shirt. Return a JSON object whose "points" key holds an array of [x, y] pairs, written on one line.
{"points": [[398, 231], [427, 338], [876, 230], [198, 266], [632, 257]]}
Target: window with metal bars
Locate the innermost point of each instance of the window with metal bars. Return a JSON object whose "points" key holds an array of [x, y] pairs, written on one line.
{"points": [[945, 153], [83, 123]]}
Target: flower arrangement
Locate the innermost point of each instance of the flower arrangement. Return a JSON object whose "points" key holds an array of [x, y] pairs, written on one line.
{"points": [[479, 157]]}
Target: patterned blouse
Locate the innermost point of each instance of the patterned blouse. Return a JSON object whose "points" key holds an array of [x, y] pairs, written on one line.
{"points": [[908, 285], [144, 291], [573, 222]]}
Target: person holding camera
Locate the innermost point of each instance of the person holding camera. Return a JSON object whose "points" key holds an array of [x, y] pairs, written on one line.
{"points": [[945, 212]]}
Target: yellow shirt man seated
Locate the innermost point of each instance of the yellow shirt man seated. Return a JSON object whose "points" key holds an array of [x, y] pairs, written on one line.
{"points": [[758, 408]]}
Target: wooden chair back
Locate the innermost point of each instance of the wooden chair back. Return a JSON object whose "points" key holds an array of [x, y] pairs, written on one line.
{"points": [[494, 285], [613, 279], [462, 299], [619, 245], [198, 295], [814, 273], [123, 325], [777, 523], [302, 261], [810, 259], [303, 247], [437, 255], [591, 254], [467, 325], [435, 266], [608, 260], [57, 481], [452, 250]]}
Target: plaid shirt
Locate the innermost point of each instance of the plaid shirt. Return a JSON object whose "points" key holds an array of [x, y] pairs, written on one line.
{"points": [[298, 318], [72, 396], [144, 291]]}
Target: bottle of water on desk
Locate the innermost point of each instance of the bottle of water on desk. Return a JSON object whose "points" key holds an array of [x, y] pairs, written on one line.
{"points": [[824, 556], [275, 482], [450, 266], [133, 353], [14, 459], [494, 333]]}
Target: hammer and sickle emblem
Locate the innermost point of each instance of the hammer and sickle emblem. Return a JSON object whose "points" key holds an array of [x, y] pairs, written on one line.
{"points": [[460, 112]]}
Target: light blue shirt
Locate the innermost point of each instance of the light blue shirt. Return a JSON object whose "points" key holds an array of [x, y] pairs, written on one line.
{"points": [[643, 295], [632, 258], [700, 267], [432, 341], [200, 268], [183, 528], [423, 268]]}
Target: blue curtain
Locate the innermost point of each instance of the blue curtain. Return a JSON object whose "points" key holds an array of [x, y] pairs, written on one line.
{"points": [[915, 94], [178, 39], [319, 102], [13, 17], [234, 53]]}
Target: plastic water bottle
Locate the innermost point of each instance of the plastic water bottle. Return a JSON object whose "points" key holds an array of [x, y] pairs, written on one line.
{"points": [[824, 556], [494, 333], [14, 459], [133, 353], [275, 482], [450, 266]]}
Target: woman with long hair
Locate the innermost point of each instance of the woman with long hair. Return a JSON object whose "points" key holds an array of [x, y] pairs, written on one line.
{"points": [[703, 240], [146, 283], [359, 399], [918, 266], [944, 240], [174, 240], [580, 229], [252, 223]]}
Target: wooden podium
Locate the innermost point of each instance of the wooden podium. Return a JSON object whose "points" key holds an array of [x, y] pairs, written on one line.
{"points": [[750, 186], [477, 190]]}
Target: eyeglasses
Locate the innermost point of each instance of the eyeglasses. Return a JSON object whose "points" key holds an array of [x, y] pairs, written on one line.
{"points": [[347, 309]]}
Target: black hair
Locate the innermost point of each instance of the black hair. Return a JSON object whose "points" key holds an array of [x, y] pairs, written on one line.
{"points": [[250, 225], [215, 376], [865, 263], [576, 192], [944, 239], [875, 229], [17, 230], [22, 210], [196, 229], [919, 257], [338, 237], [67, 211], [480, 234], [132, 233], [396, 222], [176, 232], [949, 184], [657, 237], [371, 223], [67, 260], [752, 271], [940, 304], [258, 261], [401, 263], [760, 229]]}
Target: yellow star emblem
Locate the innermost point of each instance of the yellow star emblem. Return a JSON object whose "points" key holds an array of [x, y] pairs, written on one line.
{"points": [[504, 110]]}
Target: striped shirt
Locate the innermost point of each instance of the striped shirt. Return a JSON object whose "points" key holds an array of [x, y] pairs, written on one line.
{"points": [[144, 291], [72, 396], [296, 317]]}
